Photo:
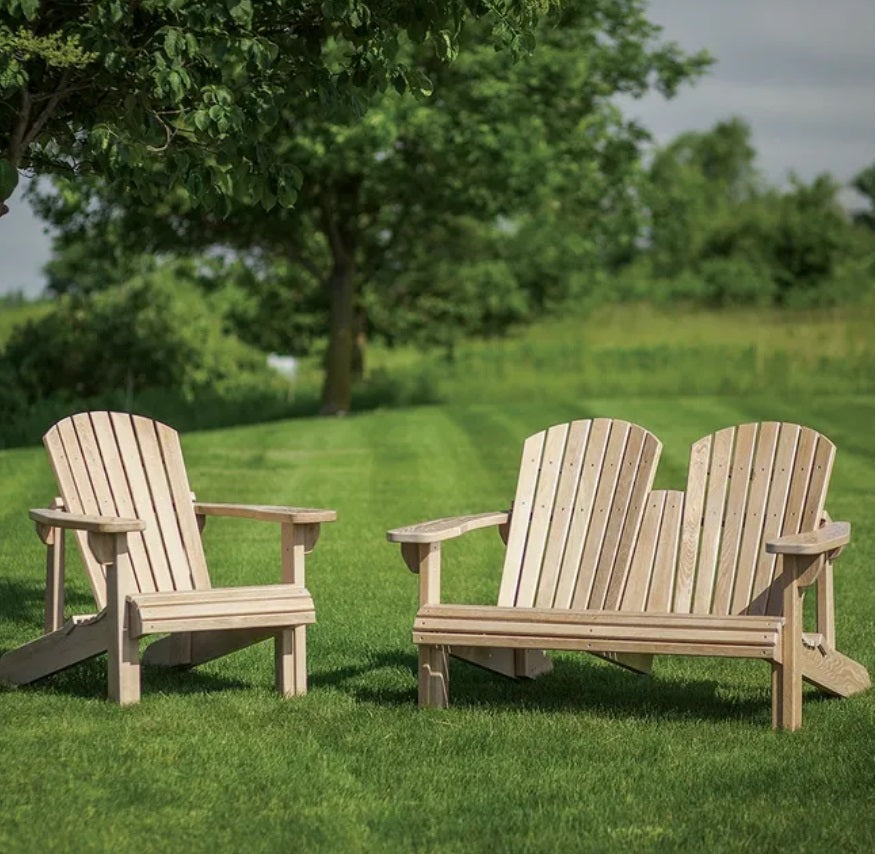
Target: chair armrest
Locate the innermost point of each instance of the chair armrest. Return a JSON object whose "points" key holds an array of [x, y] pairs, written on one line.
{"points": [[445, 529], [819, 541], [267, 512], [92, 524]]}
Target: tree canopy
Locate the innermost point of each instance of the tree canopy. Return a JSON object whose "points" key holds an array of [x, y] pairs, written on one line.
{"points": [[410, 219], [202, 88]]}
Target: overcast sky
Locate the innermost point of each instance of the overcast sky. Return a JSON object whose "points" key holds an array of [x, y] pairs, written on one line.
{"points": [[800, 72]]}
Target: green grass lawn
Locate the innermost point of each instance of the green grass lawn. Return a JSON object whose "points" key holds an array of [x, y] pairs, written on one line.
{"points": [[587, 758]]}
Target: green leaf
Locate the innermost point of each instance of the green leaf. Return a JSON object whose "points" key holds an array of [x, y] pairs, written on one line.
{"points": [[241, 12], [202, 120], [172, 40], [8, 179], [30, 8]]}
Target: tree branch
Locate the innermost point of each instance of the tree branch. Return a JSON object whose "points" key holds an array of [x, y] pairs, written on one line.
{"points": [[17, 143], [47, 111], [169, 134]]}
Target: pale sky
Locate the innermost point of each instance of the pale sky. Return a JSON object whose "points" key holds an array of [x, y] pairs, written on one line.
{"points": [[800, 72]]}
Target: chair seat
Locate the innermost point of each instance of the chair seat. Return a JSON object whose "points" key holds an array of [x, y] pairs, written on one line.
{"points": [[266, 606], [599, 631]]}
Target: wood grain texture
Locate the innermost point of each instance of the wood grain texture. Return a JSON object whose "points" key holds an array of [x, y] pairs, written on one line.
{"points": [[148, 570]]}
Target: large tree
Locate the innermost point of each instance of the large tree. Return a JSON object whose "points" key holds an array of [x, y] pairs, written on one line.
{"points": [[201, 87], [412, 220]]}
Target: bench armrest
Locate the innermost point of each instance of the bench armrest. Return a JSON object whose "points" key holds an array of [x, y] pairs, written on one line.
{"points": [[826, 539], [92, 524], [267, 512], [445, 529]]}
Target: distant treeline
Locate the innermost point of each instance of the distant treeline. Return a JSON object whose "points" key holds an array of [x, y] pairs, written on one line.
{"points": [[171, 331]]}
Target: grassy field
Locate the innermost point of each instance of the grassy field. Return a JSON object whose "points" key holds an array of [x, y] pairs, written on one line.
{"points": [[587, 758]]}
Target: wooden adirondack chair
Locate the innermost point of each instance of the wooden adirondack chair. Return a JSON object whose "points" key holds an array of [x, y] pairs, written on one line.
{"points": [[719, 570], [125, 494]]}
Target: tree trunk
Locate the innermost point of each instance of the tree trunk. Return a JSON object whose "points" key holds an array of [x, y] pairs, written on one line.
{"points": [[359, 342], [339, 221], [338, 381]]}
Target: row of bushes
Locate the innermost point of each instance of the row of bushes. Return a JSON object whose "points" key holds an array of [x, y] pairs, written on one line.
{"points": [[153, 343], [720, 282]]}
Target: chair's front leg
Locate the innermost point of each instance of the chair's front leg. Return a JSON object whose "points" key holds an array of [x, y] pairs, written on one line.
{"points": [[788, 675], [434, 677], [434, 661], [123, 650], [290, 645]]}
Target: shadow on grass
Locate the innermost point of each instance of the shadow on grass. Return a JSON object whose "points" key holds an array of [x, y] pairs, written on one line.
{"points": [[88, 680], [22, 604], [574, 685]]}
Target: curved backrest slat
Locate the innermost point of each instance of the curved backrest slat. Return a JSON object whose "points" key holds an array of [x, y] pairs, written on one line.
{"points": [[650, 585], [746, 485], [111, 463], [576, 515]]}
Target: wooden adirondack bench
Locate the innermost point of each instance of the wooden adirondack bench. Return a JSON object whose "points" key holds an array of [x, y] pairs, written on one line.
{"points": [[125, 494], [718, 570]]}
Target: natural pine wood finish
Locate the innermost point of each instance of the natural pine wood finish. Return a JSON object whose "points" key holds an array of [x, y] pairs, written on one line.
{"points": [[126, 496], [612, 569], [569, 535]]}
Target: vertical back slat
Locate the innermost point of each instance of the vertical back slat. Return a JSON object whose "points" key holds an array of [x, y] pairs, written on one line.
{"points": [[66, 477], [521, 512], [159, 488], [777, 500], [645, 471], [751, 541], [635, 593], [694, 501], [608, 476], [713, 516], [798, 491], [597, 443], [622, 507], [181, 494], [129, 451], [822, 466], [663, 574], [542, 512], [558, 533], [737, 500], [101, 456], [118, 481], [84, 489]]}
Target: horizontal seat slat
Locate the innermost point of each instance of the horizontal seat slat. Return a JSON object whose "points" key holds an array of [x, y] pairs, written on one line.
{"points": [[222, 594], [172, 610], [550, 616], [272, 606], [278, 620], [585, 631], [771, 653]]}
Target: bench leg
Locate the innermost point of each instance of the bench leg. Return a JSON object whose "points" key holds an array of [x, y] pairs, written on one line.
{"points": [[434, 677], [788, 676], [290, 661]]}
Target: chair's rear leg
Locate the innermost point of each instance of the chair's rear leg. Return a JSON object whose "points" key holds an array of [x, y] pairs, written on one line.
{"points": [[290, 661], [434, 677]]}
